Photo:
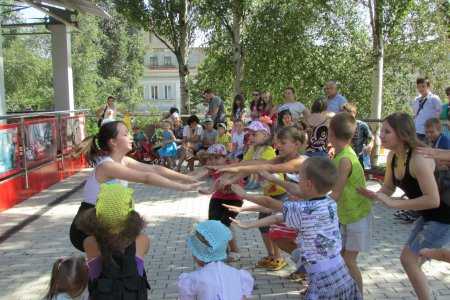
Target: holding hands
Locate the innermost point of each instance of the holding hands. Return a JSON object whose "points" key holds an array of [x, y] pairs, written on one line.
{"points": [[378, 196]]}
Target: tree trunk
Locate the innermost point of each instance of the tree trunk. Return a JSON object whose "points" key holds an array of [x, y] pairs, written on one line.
{"points": [[237, 47], [182, 58], [377, 79]]}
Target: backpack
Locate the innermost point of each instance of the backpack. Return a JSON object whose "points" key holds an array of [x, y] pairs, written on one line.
{"points": [[120, 280]]}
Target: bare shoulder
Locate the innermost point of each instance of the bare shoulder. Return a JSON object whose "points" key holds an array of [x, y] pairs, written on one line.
{"points": [[421, 164]]}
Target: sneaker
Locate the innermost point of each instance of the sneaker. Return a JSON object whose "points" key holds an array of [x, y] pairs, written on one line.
{"points": [[264, 262], [277, 264]]}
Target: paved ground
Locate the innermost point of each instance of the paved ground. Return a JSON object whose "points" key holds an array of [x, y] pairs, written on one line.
{"points": [[26, 257]]}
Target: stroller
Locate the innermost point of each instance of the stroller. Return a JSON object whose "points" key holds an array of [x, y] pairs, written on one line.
{"points": [[142, 148]]}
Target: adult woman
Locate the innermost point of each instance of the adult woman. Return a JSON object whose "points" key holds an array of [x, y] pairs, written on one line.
{"points": [[238, 108], [413, 173], [107, 151], [192, 134], [317, 123]]}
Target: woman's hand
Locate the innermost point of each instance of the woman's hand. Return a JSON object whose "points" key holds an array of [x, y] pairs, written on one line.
{"points": [[437, 254], [268, 176], [240, 224], [434, 153], [238, 190], [232, 208], [378, 196], [191, 186]]}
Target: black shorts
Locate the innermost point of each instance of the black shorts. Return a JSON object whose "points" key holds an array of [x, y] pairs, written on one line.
{"points": [[220, 213], [76, 235]]}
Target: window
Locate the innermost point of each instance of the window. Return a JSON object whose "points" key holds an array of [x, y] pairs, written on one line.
{"points": [[168, 92], [154, 89], [153, 61], [167, 60], [147, 92]]}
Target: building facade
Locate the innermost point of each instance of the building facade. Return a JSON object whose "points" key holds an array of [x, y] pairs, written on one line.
{"points": [[161, 82]]}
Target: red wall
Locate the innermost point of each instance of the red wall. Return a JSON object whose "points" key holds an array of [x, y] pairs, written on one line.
{"points": [[12, 191]]}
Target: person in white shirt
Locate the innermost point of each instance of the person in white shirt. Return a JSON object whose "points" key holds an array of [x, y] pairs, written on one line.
{"points": [[425, 107], [214, 279], [296, 108], [237, 139]]}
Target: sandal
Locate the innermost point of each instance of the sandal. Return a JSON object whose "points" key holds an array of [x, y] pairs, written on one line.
{"points": [[234, 256], [297, 277], [264, 262]]}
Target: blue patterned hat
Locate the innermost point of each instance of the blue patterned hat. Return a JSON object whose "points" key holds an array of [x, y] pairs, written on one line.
{"points": [[209, 241]]}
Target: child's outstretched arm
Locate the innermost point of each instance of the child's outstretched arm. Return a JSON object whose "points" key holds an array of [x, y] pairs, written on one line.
{"points": [[290, 187], [270, 220], [257, 208], [258, 199]]}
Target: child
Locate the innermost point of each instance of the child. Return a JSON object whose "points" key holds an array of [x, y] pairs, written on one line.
{"points": [[237, 140], [319, 241], [214, 279], [69, 279], [262, 150], [354, 209], [216, 155], [116, 246], [223, 137], [168, 150]]}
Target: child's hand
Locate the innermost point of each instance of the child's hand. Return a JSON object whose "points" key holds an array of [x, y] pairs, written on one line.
{"points": [[232, 208], [238, 190], [192, 186], [385, 199], [230, 169], [240, 224], [204, 191], [367, 193], [267, 176]]}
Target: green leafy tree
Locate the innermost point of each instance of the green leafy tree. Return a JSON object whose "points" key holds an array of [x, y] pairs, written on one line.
{"points": [[172, 22]]}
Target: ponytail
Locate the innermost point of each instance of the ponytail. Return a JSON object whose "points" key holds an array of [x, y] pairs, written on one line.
{"points": [[97, 145]]}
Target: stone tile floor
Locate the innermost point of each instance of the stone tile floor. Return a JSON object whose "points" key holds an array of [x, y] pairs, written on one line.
{"points": [[27, 256]]}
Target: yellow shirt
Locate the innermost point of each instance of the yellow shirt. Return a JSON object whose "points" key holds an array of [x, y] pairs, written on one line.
{"points": [[266, 153], [224, 140]]}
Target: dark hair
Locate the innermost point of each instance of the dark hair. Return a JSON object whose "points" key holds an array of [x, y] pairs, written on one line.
{"points": [[97, 145], [447, 90], [109, 242], [281, 114], [173, 110], [433, 122], [193, 119], [319, 106], [208, 91], [261, 103], [69, 275], [111, 97], [238, 97], [290, 88], [423, 80], [343, 126], [293, 134], [322, 173], [403, 126]]}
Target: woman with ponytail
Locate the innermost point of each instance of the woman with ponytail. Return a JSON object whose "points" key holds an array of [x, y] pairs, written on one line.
{"points": [[106, 151]]}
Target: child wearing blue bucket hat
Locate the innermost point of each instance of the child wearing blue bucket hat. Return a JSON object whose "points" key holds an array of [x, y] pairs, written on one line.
{"points": [[214, 279]]}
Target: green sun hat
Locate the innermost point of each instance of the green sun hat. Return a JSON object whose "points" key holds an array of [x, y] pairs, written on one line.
{"points": [[114, 204]]}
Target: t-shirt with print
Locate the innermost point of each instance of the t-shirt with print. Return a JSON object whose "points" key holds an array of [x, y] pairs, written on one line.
{"points": [[265, 153], [224, 139], [296, 109], [317, 223], [238, 140]]}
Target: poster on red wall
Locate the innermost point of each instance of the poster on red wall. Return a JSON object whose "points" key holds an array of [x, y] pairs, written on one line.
{"points": [[73, 132], [40, 141], [9, 150]]}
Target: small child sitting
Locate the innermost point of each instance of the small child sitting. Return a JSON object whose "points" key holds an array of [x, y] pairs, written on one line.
{"points": [[214, 279], [223, 136], [168, 150], [69, 279], [116, 246], [319, 240], [216, 155]]}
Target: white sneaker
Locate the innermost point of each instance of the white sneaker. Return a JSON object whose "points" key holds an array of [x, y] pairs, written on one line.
{"points": [[233, 256]]}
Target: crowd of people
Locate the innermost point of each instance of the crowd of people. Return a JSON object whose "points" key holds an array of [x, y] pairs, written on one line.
{"points": [[314, 205]]}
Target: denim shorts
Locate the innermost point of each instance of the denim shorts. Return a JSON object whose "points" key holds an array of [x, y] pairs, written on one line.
{"points": [[428, 234]]}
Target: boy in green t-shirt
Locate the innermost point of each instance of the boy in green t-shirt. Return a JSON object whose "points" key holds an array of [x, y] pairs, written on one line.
{"points": [[354, 210]]}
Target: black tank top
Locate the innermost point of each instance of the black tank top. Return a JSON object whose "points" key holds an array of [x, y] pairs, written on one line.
{"points": [[411, 187]]}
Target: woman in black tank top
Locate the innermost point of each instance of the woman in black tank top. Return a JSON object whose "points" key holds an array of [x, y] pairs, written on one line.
{"points": [[414, 174]]}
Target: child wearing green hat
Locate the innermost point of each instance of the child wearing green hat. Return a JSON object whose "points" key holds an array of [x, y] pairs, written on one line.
{"points": [[115, 247], [214, 279]]}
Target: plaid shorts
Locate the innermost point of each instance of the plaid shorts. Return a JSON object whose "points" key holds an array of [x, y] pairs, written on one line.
{"points": [[332, 281]]}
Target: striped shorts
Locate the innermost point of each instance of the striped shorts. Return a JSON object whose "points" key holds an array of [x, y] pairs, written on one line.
{"points": [[331, 281]]}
